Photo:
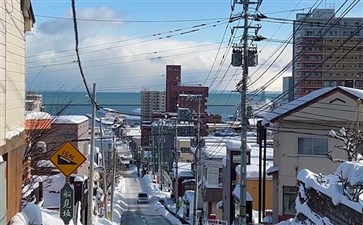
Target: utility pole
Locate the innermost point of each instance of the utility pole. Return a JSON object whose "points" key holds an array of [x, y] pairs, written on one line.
{"points": [[198, 154], [105, 174], [160, 145], [243, 90], [245, 57], [176, 153], [114, 159], [359, 102], [91, 160]]}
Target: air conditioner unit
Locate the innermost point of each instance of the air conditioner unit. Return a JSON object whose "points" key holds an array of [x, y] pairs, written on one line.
{"points": [[41, 147]]}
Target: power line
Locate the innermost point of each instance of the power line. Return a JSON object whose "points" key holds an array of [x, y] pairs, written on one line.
{"points": [[77, 52], [155, 36], [130, 21]]}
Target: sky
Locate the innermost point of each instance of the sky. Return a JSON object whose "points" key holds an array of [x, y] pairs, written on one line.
{"points": [[126, 45]]}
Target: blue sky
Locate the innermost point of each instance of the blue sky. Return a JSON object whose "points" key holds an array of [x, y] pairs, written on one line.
{"points": [[133, 73]]}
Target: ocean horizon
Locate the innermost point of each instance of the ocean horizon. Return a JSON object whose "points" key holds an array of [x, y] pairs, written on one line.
{"points": [[78, 103]]}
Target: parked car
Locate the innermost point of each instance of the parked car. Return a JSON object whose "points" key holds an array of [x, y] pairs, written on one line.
{"points": [[143, 198]]}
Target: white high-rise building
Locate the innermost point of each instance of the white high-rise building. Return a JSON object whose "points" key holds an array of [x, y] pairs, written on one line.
{"points": [[151, 101]]}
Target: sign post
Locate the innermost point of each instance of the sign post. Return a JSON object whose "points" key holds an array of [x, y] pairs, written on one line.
{"points": [[66, 203], [67, 159]]}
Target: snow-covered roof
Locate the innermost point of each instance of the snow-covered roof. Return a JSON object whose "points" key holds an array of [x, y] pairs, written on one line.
{"points": [[13, 133], [253, 168], [217, 150], [283, 110], [271, 170], [35, 115], [185, 174], [45, 163], [69, 119], [236, 193], [236, 145], [134, 132]]}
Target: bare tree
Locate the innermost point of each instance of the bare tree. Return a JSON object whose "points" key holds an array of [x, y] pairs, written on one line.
{"points": [[351, 140], [35, 159]]}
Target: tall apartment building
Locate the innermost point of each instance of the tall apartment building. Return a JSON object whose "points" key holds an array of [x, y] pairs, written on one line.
{"points": [[315, 42], [151, 101], [16, 17]]}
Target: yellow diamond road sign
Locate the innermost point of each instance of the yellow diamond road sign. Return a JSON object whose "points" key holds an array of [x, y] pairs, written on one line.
{"points": [[67, 159]]}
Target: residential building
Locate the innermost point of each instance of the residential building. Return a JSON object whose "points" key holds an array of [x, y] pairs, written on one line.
{"points": [[71, 128], [301, 139], [231, 171], [33, 101], [16, 17], [320, 60], [151, 101], [212, 175]]}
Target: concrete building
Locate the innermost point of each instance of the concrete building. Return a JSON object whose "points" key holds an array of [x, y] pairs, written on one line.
{"points": [[33, 101], [16, 17], [287, 87], [301, 139], [174, 88], [151, 101], [316, 49]]}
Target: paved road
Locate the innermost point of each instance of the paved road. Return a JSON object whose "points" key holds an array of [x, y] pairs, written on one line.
{"points": [[138, 214]]}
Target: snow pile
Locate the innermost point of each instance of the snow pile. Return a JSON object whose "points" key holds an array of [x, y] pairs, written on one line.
{"points": [[102, 221], [352, 172], [289, 222], [19, 219], [330, 186], [52, 187], [153, 188], [51, 217], [34, 213]]}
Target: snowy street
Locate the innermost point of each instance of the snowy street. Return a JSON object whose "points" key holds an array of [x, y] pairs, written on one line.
{"points": [[138, 214]]}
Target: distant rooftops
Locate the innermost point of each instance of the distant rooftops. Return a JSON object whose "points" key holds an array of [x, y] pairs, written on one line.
{"points": [[69, 119]]}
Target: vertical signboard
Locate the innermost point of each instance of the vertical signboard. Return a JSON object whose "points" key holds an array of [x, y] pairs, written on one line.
{"points": [[66, 203]]}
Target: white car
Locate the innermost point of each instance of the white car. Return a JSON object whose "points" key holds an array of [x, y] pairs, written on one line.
{"points": [[143, 198]]}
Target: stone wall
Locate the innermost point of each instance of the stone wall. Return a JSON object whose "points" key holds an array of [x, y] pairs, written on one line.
{"points": [[322, 205]]}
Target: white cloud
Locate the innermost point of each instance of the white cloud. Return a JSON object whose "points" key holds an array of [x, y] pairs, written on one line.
{"points": [[128, 63]]}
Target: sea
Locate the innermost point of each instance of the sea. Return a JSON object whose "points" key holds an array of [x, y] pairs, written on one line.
{"points": [[78, 103]]}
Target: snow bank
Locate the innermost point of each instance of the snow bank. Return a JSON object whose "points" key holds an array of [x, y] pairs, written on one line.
{"points": [[51, 217], [289, 222], [34, 213], [352, 172], [153, 189], [102, 221], [19, 219]]}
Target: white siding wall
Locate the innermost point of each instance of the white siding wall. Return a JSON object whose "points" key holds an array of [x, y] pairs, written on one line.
{"points": [[2, 73], [12, 67], [213, 170]]}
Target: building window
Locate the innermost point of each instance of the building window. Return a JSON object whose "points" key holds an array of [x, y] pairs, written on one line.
{"points": [[185, 150], [205, 172], [312, 146], [220, 176], [288, 198]]}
